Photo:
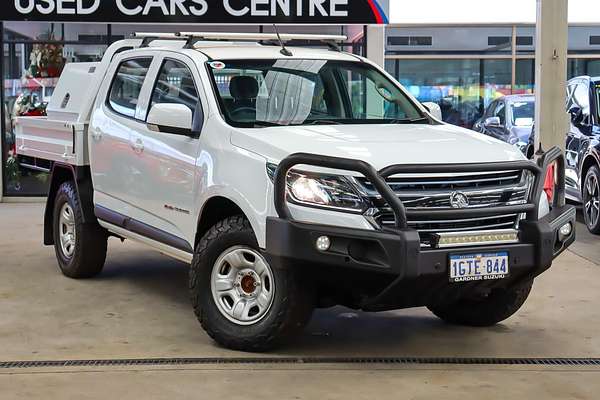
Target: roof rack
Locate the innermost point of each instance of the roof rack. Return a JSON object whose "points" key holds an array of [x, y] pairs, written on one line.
{"points": [[192, 37]]}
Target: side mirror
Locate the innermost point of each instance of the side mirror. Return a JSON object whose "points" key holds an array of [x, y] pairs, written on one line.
{"points": [[492, 122], [434, 109], [171, 118]]}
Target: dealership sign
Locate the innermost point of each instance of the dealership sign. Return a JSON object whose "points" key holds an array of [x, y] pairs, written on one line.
{"points": [[200, 11]]}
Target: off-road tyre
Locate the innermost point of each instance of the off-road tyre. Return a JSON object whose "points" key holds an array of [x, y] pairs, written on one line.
{"points": [[91, 240], [487, 311], [292, 304]]}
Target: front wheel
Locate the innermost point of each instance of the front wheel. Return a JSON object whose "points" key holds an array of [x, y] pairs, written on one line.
{"points": [[242, 301], [591, 200], [494, 308]]}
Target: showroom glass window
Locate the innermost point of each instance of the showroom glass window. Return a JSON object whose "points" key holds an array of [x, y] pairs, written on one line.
{"points": [[34, 56], [448, 66], [464, 69]]}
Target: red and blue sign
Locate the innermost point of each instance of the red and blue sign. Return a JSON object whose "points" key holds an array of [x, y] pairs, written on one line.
{"points": [[381, 14], [200, 11]]}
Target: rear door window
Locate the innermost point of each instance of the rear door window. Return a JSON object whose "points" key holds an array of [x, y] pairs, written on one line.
{"points": [[127, 85]]}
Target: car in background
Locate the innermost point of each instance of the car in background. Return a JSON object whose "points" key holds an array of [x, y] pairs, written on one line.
{"points": [[583, 147], [510, 119]]}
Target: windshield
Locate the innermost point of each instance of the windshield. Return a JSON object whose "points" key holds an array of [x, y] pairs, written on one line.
{"points": [[523, 113], [304, 92]]}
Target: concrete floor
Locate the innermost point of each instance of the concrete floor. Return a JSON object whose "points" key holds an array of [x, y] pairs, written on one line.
{"points": [[139, 308]]}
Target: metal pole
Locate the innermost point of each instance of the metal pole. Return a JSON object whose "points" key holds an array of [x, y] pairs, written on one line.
{"points": [[2, 111], [375, 42], [513, 81], [552, 29]]}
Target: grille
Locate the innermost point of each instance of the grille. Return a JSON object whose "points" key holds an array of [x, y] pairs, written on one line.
{"points": [[429, 192]]}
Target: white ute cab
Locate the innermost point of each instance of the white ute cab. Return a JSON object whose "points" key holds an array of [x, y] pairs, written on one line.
{"points": [[290, 178]]}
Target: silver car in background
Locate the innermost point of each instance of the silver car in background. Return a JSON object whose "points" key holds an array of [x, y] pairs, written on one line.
{"points": [[510, 119]]}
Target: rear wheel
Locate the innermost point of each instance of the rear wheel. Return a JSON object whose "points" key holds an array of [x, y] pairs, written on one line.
{"points": [[80, 246], [591, 199], [241, 301], [499, 305]]}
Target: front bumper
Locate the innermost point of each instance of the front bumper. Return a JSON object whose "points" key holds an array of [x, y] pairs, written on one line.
{"points": [[417, 276], [387, 268]]}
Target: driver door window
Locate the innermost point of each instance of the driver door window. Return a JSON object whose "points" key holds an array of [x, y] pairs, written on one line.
{"points": [[175, 85], [500, 112]]}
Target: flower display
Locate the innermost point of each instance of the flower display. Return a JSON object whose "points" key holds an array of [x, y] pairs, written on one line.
{"points": [[46, 61], [29, 105]]}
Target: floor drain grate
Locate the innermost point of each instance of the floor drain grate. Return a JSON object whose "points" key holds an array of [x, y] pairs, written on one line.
{"points": [[566, 362]]}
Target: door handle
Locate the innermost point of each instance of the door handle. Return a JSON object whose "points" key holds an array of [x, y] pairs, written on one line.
{"points": [[138, 146]]}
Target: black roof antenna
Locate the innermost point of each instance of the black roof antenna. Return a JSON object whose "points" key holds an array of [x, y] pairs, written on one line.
{"points": [[284, 50]]}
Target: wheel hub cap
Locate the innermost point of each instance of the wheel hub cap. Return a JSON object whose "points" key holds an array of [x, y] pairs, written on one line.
{"points": [[242, 285], [249, 283], [67, 233]]}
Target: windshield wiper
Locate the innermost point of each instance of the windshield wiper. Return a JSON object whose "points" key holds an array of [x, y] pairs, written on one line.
{"points": [[407, 120], [265, 124], [323, 122]]}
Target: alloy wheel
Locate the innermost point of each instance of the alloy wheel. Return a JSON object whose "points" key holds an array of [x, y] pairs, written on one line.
{"points": [[592, 200]]}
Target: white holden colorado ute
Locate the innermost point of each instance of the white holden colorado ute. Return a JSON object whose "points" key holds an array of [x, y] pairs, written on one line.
{"points": [[290, 178]]}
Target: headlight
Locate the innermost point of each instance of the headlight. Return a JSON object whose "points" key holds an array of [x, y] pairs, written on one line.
{"points": [[513, 140], [320, 190]]}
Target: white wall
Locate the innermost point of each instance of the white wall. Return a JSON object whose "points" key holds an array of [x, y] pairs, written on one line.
{"points": [[485, 12]]}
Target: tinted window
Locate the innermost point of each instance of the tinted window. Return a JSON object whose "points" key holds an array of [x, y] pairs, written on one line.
{"points": [[570, 91], [127, 85], [498, 40], [491, 109], [597, 92], [581, 96], [501, 113], [523, 113], [175, 85]]}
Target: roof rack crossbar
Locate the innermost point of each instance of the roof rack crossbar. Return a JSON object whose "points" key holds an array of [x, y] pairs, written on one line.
{"points": [[191, 37]]}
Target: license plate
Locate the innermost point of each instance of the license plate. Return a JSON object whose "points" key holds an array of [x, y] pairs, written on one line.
{"points": [[478, 267]]}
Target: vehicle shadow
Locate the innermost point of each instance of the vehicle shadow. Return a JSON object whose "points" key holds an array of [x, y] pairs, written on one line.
{"points": [[334, 332], [150, 271]]}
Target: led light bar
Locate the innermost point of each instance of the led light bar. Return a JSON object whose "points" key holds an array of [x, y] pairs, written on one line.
{"points": [[475, 238]]}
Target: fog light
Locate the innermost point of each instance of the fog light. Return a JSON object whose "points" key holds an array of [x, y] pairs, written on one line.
{"points": [[565, 231], [323, 243]]}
